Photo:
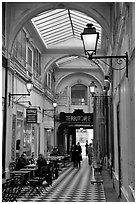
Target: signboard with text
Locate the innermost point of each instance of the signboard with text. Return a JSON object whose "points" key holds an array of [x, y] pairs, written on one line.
{"points": [[76, 117], [31, 115]]}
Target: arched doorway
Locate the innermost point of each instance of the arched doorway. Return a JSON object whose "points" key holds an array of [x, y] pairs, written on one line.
{"points": [[69, 131]]}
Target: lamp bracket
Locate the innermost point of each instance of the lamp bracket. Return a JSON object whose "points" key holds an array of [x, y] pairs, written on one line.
{"points": [[121, 60], [47, 110], [21, 96], [20, 102]]}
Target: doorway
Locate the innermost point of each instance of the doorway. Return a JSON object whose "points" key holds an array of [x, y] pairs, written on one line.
{"points": [[83, 135]]}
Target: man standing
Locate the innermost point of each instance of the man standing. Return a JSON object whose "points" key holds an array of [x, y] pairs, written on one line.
{"points": [[78, 151]]}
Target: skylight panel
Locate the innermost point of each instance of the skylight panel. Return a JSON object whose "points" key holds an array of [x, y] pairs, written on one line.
{"points": [[54, 25]]}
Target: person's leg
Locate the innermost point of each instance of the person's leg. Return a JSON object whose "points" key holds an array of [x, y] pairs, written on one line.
{"points": [[79, 164], [89, 160]]}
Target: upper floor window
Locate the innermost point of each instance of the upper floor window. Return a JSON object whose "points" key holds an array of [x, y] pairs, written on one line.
{"points": [[29, 60], [79, 94], [48, 80], [19, 48], [37, 63], [29, 57]]}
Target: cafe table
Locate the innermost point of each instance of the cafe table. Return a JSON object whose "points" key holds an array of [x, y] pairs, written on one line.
{"points": [[30, 169], [53, 158], [31, 166]]}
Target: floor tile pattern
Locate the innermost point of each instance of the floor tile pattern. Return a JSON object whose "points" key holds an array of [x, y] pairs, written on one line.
{"points": [[72, 185]]}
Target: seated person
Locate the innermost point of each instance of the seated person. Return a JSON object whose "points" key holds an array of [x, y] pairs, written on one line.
{"points": [[22, 162], [32, 160], [55, 152]]}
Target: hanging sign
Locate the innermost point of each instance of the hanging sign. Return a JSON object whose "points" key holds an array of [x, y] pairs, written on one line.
{"points": [[31, 115], [77, 116]]}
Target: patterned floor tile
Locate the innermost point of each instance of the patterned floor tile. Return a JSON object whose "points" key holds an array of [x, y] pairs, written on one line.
{"points": [[73, 185]]}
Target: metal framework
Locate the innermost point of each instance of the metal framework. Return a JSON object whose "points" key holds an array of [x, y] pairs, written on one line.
{"points": [[11, 95]]}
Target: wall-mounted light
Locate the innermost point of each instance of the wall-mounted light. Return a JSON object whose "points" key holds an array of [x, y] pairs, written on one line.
{"points": [[92, 88], [29, 86], [90, 38]]}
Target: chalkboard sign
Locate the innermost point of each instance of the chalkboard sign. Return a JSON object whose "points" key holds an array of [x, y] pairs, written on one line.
{"points": [[31, 115]]}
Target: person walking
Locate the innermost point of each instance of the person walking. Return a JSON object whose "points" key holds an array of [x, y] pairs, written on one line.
{"points": [[86, 147], [90, 154], [78, 151]]}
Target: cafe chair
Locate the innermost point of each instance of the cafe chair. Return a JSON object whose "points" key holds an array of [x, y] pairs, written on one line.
{"points": [[47, 173], [6, 190], [42, 181], [16, 185], [11, 189]]}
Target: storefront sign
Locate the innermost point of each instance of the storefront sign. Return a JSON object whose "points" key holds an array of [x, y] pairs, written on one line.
{"points": [[31, 115], [76, 117]]}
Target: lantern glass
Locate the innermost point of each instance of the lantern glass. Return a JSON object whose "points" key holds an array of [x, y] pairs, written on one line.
{"points": [[90, 43], [54, 105], [90, 38], [29, 86], [92, 87]]}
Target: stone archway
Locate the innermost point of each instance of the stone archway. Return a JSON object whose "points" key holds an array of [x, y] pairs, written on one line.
{"points": [[52, 62]]}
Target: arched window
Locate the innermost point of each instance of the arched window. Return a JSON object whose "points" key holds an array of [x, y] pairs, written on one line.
{"points": [[79, 94]]}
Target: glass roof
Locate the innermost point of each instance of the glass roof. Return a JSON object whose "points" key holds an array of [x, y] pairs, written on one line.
{"points": [[60, 25]]}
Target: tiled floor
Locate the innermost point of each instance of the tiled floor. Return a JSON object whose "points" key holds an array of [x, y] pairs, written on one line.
{"points": [[72, 185]]}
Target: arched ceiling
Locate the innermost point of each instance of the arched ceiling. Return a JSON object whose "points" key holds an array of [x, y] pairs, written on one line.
{"points": [[25, 11], [71, 18]]}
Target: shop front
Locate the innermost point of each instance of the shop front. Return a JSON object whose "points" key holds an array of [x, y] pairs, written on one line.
{"points": [[25, 134]]}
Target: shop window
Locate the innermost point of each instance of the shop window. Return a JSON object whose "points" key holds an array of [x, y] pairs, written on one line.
{"points": [[27, 138], [79, 95]]}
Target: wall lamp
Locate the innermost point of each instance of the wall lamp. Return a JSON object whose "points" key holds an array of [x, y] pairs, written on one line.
{"points": [[92, 89], [90, 38], [29, 86]]}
